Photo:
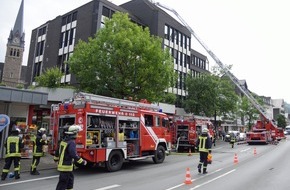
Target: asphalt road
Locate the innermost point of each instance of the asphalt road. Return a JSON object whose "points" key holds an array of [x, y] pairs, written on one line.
{"points": [[267, 169]]}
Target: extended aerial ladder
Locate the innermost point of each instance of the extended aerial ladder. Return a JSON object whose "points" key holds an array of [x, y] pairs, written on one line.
{"points": [[221, 65]]}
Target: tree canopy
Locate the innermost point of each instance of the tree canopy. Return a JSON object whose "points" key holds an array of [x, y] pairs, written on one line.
{"points": [[50, 78], [281, 121], [123, 60], [210, 95]]}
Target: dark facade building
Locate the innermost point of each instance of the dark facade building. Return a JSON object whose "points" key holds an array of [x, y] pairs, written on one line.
{"points": [[53, 42], [176, 37]]}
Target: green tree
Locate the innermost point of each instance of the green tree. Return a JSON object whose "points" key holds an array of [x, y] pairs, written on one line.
{"points": [[247, 111], [50, 78], [210, 95], [281, 121], [123, 60]]}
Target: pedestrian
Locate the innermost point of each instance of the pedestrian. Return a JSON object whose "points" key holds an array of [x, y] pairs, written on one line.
{"points": [[203, 145], [66, 156], [13, 145], [38, 143]]}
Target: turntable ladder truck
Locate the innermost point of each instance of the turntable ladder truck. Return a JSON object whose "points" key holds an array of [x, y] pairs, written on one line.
{"points": [[267, 130]]}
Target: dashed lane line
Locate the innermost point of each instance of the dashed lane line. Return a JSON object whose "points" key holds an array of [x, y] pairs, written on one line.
{"points": [[108, 187]]}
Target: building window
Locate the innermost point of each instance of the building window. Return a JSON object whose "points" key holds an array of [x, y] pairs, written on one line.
{"points": [[166, 31], [71, 37], [74, 16], [17, 54], [106, 12], [37, 69], [61, 39], [39, 48], [11, 51], [42, 31], [66, 38], [180, 58], [68, 19]]}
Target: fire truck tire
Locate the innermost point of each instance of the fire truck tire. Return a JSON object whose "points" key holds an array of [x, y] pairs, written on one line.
{"points": [[159, 155], [115, 161]]}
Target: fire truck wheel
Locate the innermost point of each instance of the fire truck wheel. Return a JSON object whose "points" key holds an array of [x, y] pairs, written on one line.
{"points": [[159, 155], [115, 161]]}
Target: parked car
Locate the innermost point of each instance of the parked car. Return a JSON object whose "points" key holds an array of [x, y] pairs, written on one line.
{"points": [[287, 130], [243, 136], [228, 137]]}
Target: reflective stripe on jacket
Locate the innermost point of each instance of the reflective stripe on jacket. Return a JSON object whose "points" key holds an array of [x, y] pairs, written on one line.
{"points": [[38, 143], [13, 145], [204, 143], [67, 155]]}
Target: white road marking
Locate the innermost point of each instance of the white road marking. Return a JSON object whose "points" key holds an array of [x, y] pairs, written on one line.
{"points": [[177, 186], [30, 180], [209, 181], [245, 150], [108, 187], [217, 148]]}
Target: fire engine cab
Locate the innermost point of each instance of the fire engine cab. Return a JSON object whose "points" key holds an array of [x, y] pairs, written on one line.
{"points": [[112, 130]]}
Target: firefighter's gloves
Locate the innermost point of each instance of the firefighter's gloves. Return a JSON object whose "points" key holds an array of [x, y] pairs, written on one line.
{"points": [[55, 159], [44, 137]]}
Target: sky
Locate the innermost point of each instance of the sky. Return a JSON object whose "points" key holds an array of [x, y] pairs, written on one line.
{"points": [[251, 35]]}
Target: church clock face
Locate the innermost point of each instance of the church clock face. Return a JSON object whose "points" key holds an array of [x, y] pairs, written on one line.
{"points": [[16, 40]]}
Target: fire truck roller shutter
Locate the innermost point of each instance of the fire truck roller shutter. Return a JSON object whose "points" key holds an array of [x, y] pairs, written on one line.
{"points": [[115, 159]]}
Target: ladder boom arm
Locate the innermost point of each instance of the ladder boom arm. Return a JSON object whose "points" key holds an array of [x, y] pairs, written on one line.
{"points": [[217, 60]]}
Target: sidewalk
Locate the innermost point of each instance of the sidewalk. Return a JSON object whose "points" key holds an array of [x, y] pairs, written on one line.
{"points": [[46, 162]]}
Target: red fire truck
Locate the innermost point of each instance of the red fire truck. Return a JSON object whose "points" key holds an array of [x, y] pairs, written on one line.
{"points": [[264, 131], [186, 131], [112, 130]]}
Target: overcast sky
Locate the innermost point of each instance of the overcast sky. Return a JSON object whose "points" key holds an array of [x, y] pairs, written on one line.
{"points": [[251, 35]]}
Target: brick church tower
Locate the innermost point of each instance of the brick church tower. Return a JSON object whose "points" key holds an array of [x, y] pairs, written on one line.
{"points": [[14, 52]]}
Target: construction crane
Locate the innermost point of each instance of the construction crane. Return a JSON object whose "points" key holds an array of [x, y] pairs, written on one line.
{"points": [[221, 65]]}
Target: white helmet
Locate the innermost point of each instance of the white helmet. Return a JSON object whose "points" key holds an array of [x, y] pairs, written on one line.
{"points": [[204, 130], [74, 129], [42, 130]]}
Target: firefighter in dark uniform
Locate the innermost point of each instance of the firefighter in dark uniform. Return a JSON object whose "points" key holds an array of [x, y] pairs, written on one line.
{"points": [[38, 143], [232, 139], [13, 145], [203, 144], [66, 156]]}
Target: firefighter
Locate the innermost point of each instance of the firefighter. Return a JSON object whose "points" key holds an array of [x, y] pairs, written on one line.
{"points": [[65, 157], [13, 145], [38, 143], [232, 139], [203, 144]]}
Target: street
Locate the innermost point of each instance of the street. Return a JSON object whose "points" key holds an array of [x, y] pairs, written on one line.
{"points": [[267, 169]]}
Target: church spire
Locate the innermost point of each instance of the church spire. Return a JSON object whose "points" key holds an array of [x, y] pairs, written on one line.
{"points": [[17, 32], [18, 26]]}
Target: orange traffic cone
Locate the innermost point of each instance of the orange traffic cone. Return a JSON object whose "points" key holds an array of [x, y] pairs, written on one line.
{"points": [[187, 177], [236, 159], [189, 152], [255, 151]]}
